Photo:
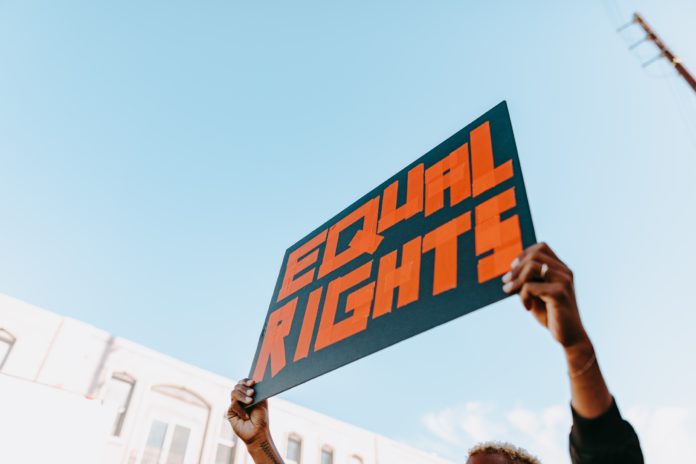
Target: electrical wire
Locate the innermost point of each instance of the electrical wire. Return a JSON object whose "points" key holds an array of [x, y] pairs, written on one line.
{"points": [[686, 107], [622, 14], [613, 14]]}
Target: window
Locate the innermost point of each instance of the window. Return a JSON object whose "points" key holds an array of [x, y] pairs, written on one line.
{"points": [[226, 444], [6, 343], [168, 441], [326, 455], [174, 428], [155, 442], [224, 455], [356, 460], [294, 453], [118, 393], [177, 449]]}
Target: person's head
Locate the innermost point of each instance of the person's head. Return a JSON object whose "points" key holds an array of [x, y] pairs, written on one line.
{"points": [[500, 453]]}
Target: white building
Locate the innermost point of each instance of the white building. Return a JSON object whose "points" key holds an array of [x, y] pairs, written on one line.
{"points": [[71, 393]]}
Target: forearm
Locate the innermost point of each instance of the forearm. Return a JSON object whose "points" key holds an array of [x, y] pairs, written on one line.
{"points": [[599, 433], [589, 392], [264, 451]]}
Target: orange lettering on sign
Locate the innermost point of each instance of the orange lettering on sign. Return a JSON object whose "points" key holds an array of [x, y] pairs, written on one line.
{"points": [[485, 174], [299, 260], [504, 238], [358, 303], [273, 347], [308, 324], [450, 173], [405, 278], [444, 241], [365, 240], [414, 200]]}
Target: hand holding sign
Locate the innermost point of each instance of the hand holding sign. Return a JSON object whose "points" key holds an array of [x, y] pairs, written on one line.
{"points": [[425, 247], [252, 426], [545, 285]]}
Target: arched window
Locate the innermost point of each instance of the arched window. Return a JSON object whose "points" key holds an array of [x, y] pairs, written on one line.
{"points": [[7, 341], [178, 426], [294, 454], [354, 459], [326, 455], [119, 391]]}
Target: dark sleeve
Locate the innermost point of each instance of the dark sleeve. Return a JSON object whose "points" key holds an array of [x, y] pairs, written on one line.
{"points": [[605, 439]]}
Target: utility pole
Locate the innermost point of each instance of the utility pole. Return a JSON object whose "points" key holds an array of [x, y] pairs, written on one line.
{"points": [[665, 52]]}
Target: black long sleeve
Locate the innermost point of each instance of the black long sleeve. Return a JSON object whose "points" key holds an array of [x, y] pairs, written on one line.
{"points": [[607, 439]]}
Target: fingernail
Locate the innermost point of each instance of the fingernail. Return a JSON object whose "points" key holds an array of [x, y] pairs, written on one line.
{"points": [[507, 287], [247, 400], [249, 382], [507, 277], [250, 392], [514, 263]]}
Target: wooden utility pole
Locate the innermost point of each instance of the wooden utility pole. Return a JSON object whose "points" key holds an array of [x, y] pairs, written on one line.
{"points": [[664, 51]]}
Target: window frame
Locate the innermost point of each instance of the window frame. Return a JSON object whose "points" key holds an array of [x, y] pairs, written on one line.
{"points": [[10, 340], [295, 437], [328, 448], [119, 422], [175, 405], [225, 441], [170, 427]]}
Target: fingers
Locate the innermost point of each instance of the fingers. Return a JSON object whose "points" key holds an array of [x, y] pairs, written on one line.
{"points": [[537, 249], [241, 395], [535, 268], [236, 411], [545, 291], [525, 272], [529, 266]]}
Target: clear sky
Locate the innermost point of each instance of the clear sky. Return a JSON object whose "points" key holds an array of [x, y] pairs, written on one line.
{"points": [[157, 158]]}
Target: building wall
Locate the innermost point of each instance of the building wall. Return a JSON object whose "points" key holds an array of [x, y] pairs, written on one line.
{"points": [[66, 355], [40, 424]]}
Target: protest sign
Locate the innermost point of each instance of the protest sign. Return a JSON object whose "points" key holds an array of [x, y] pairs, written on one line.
{"points": [[428, 245]]}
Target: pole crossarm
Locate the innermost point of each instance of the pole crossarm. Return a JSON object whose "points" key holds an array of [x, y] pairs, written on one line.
{"points": [[664, 51]]}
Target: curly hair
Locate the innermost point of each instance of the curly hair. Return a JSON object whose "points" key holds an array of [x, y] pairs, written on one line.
{"points": [[515, 454]]}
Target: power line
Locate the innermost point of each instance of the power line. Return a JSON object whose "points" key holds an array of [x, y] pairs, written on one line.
{"points": [[684, 109]]}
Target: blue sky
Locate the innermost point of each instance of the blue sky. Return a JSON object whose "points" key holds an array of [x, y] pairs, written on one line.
{"points": [[153, 155]]}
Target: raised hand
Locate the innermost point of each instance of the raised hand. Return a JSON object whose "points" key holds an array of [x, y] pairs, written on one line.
{"points": [[545, 286], [251, 425]]}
